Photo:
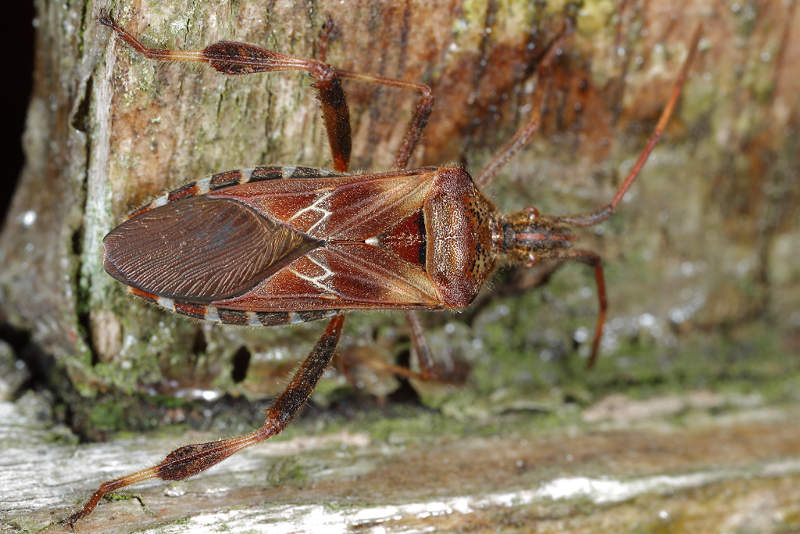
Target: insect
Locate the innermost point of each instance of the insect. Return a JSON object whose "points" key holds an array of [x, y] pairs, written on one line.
{"points": [[277, 245]]}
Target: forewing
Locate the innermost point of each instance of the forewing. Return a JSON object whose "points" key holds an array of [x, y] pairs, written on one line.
{"points": [[200, 249], [341, 276], [346, 208]]}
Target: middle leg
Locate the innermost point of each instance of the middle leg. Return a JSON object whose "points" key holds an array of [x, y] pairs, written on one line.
{"points": [[235, 58]]}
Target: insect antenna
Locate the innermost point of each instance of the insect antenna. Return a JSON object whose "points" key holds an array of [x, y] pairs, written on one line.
{"points": [[600, 215], [529, 237]]}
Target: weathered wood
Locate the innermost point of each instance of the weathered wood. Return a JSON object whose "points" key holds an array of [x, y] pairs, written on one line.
{"points": [[708, 241], [669, 463], [702, 271]]}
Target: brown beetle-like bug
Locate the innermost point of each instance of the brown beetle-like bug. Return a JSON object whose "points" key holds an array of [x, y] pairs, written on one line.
{"points": [[278, 245]]}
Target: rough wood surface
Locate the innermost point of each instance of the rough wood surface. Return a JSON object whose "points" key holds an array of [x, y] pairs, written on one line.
{"points": [[701, 257], [699, 462], [707, 236]]}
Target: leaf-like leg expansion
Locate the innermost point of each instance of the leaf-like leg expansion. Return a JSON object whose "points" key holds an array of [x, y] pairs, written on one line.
{"points": [[192, 459]]}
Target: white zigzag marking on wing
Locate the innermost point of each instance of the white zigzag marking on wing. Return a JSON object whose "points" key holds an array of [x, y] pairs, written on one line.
{"points": [[315, 207], [320, 280]]}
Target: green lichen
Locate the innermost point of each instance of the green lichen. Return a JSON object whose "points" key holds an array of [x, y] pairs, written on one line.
{"points": [[286, 470], [594, 16]]}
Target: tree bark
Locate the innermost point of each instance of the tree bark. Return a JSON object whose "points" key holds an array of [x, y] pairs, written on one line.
{"points": [[707, 239]]}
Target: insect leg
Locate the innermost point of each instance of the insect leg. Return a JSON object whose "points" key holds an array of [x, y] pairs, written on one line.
{"points": [[451, 370], [324, 38], [234, 58], [421, 113], [337, 116], [595, 261], [192, 459], [447, 369], [525, 134]]}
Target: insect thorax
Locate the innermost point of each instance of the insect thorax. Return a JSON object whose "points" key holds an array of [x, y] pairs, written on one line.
{"points": [[460, 222]]}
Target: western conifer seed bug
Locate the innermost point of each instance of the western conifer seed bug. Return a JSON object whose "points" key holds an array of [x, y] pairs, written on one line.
{"points": [[280, 245]]}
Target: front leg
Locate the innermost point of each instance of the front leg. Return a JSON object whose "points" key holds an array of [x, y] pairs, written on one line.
{"points": [[595, 262], [192, 459]]}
